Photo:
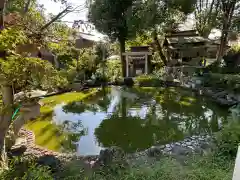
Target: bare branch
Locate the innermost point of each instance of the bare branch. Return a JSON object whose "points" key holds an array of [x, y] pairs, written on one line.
{"points": [[65, 11]]}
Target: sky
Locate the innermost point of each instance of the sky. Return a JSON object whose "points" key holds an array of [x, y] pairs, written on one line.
{"points": [[55, 8]]}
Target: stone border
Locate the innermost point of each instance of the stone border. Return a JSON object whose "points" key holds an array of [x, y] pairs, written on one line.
{"points": [[36, 150], [193, 144], [197, 144]]}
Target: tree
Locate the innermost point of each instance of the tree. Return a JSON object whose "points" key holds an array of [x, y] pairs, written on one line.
{"points": [[228, 7], [15, 66], [158, 16], [206, 15], [111, 17]]}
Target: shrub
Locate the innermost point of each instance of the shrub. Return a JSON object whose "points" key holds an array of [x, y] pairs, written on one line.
{"points": [[148, 80], [227, 140], [25, 169], [128, 82], [226, 81]]}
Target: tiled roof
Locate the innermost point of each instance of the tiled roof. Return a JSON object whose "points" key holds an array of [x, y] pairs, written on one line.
{"points": [[186, 39]]}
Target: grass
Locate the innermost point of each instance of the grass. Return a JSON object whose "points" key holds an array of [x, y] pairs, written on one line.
{"points": [[47, 134], [194, 168]]}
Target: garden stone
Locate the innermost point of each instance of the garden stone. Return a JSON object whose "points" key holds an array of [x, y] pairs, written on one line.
{"points": [[50, 161], [178, 150], [191, 147], [178, 144], [18, 151], [167, 149], [154, 151], [168, 146], [110, 155], [184, 145]]}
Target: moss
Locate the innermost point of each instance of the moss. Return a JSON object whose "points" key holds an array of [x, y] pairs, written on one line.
{"points": [[47, 134]]}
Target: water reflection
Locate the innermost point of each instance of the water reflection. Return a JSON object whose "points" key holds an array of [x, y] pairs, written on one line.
{"points": [[136, 118]]}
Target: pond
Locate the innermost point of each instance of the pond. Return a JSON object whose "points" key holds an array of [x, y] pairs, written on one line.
{"points": [[134, 119]]}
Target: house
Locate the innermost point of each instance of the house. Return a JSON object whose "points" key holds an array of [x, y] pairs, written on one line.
{"points": [[86, 40], [185, 47]]}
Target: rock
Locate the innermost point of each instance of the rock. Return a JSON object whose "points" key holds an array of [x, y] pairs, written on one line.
{"points": [[168, 149], [50, 161], [184, 145], [205, 145], [178, 144], [201, 139], [161, 147], [168, 146], [109, 155], [179, 150], [191, 147], [154, 151], [17, 151]]}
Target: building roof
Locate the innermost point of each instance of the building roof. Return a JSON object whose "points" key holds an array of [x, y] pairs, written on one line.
{"points": [[182, 33], [89, 37], [186, 39]]}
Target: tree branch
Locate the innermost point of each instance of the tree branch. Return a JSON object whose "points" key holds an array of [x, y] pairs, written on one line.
{"points": [[65, 11]]}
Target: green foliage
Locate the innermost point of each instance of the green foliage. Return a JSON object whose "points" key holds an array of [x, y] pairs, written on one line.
{"points": [[113, 70], [110, 17], [161, 15], [226, 81], [10, 38], [24, 169], [235, 49], [227, 140], [207, 17], [148, 81], [29, 72], [142, 39]]}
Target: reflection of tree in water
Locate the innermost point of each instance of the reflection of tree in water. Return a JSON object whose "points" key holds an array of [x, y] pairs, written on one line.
{"points": [[127, 133], [94, 105], [132, 133], [185, 108], [75, 107], [174, 114], [71, 131]]}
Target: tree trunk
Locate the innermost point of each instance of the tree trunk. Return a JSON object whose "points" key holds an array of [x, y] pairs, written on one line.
{"points": [[7, 100], [159, 48], [3, 154], [228, 9], [122, 50], [5, 120]]}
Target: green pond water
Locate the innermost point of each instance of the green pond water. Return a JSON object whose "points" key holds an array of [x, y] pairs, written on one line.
{"points": [[136, 118]]}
